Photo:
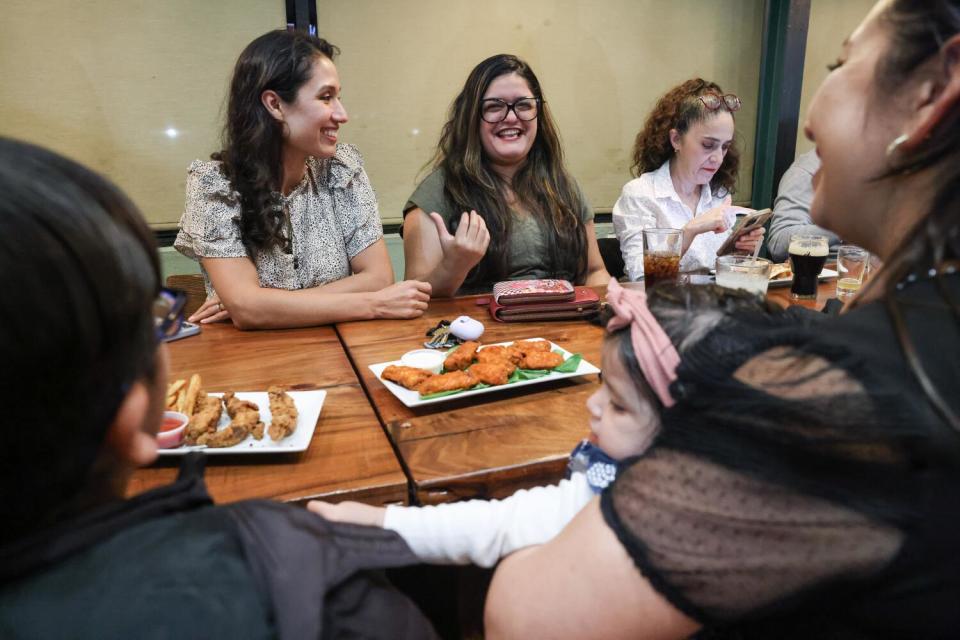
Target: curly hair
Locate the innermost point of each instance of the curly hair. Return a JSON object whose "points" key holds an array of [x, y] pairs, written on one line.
{"points": [[542, 184], [678, 109], [252, 154]]}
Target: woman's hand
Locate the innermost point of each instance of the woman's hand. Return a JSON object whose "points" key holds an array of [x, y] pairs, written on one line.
{"points": [[407, 299], [355, 512], [210, 311], [750, 241], [468, 246]]}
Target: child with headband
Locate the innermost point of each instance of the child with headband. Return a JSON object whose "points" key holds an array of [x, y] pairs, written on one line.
{"points": [[639, 362]]}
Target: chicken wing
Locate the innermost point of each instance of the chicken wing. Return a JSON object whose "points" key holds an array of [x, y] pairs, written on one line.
{"points": [[283, 414], [496, 353], [409, 377], [541, 360], [493, 373], [453, 381], [527, 347], [462, 356]]}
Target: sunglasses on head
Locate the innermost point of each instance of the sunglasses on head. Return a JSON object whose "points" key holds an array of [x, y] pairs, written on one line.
{"points": [[714, 101]]}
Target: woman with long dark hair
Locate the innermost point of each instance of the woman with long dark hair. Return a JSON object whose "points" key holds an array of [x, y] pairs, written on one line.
{"points": [[686, 161], [804, 484], [499, 204], [283, 220]]}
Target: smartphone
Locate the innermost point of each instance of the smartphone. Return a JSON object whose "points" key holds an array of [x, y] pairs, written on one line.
{"points": [[187, 329], [744, 224]]}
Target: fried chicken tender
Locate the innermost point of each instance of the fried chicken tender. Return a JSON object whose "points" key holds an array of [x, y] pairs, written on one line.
{"points": [[526, 347], [494, 372], [204, 420], [244, 420], [453, 381], [283, 414], [541, 360], [462, 356], [230, 435], [496, 353], [409, 377]]}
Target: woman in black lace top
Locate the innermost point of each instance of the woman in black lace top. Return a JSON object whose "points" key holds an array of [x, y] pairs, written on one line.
{"points": [[807, 481]]}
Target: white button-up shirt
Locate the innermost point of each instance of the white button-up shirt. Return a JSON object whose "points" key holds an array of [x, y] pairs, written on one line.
{"points": [[651, 202]]}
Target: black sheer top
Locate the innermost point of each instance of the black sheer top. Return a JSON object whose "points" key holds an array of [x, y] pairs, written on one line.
{"points": [[803, 485]]}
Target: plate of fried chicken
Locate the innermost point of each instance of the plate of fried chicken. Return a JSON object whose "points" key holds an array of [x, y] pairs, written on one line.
{"points": [[273, 421], [472, 369]]}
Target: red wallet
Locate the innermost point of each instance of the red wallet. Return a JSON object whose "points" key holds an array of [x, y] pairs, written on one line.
{"points": [[525, 301]]}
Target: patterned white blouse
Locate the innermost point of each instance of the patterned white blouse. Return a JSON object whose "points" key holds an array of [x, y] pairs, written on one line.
{"points": [[333, 214], [651, 201]]}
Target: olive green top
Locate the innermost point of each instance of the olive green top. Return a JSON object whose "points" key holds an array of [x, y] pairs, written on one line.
{"points": [[527, 246]]}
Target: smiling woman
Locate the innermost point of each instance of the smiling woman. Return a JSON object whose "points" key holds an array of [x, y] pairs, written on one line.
{"points": [[283, 220], [686, 160], [500, 204]]}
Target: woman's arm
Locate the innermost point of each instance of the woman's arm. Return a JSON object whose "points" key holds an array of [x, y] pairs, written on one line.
{"points": [[581, 584], [596, 271], [433, 255], [254, 307], [371, 270]]}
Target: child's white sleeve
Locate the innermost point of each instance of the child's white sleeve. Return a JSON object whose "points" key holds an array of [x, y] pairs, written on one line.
{"points": [[483, 531]]}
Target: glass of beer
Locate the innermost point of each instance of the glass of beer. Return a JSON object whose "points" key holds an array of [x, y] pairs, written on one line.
{"points": [[808, 253], [853, 265], [661, 255]]}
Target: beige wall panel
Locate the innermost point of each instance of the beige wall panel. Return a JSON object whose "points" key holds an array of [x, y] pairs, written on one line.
{"points": [[830, 22], [601, 64], [103, 80]]}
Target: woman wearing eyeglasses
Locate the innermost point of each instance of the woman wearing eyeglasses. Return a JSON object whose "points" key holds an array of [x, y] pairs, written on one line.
{"points": [[686, 161], [499, 204]]}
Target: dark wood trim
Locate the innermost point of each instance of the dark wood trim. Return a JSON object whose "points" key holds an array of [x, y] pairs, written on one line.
{"points": [[785, 25], [302, 15]]}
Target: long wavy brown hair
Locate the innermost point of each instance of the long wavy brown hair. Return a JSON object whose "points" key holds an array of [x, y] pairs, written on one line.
{"points": [[252, 153], [678, 109], [542, 185]]}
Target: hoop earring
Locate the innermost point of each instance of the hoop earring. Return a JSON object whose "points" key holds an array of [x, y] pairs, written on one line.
{"points": [[894, 146]]}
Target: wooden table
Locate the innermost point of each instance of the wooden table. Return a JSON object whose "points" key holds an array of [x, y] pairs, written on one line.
{"points": [[483, 446], [826, 289], [349, 456]]}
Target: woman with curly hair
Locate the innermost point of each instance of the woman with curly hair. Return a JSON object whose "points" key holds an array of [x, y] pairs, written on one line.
{"points": [[283, 220], [686, 161], [499, 204]]}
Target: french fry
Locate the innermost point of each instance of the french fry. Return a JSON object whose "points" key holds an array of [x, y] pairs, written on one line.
{"points": [[190, 398]]}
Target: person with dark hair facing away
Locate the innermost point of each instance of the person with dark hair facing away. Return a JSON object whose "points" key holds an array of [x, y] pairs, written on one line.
{"points": [[500, 203], [85, 371], [283, 220], [686, 162], [806, 484]]}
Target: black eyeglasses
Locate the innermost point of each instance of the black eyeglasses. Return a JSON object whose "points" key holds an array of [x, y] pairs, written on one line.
{"points": [[168, 313], [494, 110], [713, 101]]}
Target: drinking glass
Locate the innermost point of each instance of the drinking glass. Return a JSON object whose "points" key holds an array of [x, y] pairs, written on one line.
{"points": [[661, 255], [853, 266], [744, 272], [808, 253]]}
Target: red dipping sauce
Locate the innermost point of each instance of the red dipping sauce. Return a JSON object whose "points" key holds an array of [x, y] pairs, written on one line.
{"points": [[170, 423]]}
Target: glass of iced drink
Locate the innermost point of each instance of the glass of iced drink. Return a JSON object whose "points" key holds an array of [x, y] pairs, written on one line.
{"points": [[744, 272], [661, 255]]}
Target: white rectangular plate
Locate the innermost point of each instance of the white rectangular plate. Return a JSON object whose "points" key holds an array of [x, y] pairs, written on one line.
{"points": [[411, 398], [308, 403]]}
